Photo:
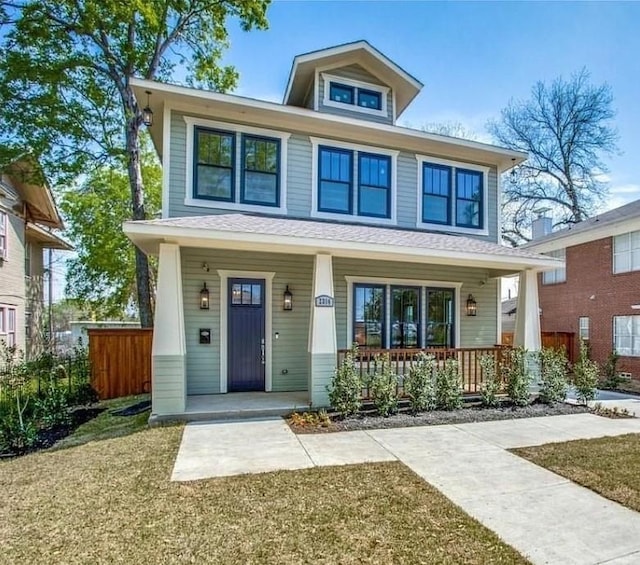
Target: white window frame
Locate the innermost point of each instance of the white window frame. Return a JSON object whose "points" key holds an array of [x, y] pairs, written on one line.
{"points": [[8, 333], [316, 142], [388, 283], [424, 159], [631, 335], [355, 84], [556, 276], [583, 327], [629, 252], [190, 200], [4, 234]]}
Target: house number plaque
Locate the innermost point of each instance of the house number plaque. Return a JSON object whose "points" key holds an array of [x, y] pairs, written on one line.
{"points": [[324, 301]]}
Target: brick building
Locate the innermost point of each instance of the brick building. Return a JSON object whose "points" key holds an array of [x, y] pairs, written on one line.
{"points": [[597, 294]]}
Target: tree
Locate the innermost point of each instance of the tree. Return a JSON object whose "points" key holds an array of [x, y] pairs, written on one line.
{"points": [[65, 68], [102, 276], [566, 128], [450, 129]]}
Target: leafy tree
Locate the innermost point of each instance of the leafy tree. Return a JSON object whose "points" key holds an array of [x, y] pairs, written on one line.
{"points": [[65, 92], [102, 276], [566, 127]]}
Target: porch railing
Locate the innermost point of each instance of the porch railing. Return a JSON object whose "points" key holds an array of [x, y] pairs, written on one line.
{"points": [[403, 359]]}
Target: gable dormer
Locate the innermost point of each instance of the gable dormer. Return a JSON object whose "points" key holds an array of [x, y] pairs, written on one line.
{"points": [[353, 80]]}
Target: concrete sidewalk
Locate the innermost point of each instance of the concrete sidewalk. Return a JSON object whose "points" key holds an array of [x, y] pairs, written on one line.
{"points": [[544, 516]]}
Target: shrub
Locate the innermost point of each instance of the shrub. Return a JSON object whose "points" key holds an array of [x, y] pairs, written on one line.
{"points": [[610, 371], [53, 408], [516, 375], [490, 383], [585, 375], [384, 387], [418, 384], [448, 386], [17, 434], [345, 390], [553, 374]]}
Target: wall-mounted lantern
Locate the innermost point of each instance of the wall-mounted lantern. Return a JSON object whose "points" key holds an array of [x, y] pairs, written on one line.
{"points": [[147, 114], [472, 306], [287, 299], [204, 297]]}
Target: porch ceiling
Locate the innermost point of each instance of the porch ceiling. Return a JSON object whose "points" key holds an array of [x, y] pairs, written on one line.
{"points": [[309, 237]]}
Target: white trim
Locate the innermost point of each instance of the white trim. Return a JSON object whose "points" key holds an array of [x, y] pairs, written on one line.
{"points": [[356, 148], [356, 85], [394, 107], [452, 228], [388, 282], [316, 87], [189, 199], [166, 160], [499, 310], [225, 275]]}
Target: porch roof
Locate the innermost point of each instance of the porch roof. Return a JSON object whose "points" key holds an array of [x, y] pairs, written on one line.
{"points": [[288, 235]]}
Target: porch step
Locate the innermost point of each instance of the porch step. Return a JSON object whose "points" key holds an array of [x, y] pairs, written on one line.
{"points": [[248, 414]]}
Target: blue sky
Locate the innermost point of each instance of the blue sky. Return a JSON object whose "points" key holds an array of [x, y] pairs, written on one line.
{"points": [[471, 56]]}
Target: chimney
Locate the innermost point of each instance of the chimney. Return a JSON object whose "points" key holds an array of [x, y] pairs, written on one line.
{"points": [[540, 227]]}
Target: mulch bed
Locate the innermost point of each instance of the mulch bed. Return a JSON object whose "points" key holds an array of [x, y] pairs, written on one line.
{"points": [[470, 413]]}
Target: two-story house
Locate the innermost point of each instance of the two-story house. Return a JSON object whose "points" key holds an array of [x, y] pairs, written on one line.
{"points": [[597, 295], [292, 230], [29, 219]]}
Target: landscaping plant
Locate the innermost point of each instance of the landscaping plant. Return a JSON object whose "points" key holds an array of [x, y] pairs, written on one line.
{"points": [[448, 386], [384, 387], [490, 384], [585, 375], [53, 407], [517, 376], [345, 389], [610, 371], [418, 384], [553, 375]]}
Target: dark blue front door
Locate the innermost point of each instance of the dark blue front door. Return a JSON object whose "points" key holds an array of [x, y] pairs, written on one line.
{"points": [[246, 335]]}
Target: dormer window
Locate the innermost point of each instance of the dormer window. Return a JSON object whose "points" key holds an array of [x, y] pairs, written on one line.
{"points": [[347, 94]]}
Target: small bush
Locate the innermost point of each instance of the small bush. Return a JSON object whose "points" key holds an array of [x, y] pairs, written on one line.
{"points": [[82, 394], [345, 390], [553, 374], [516, 375], [384, 387], [490, 384], [53, 408], [610, 371], [418, 384], [448, 386], [585, 375], [17, 434], [310, 419]]}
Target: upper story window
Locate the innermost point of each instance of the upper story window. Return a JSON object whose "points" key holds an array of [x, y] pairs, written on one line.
{"points": [[4, 221], [235, 167], [353, 181], [340, 92], [453, 195], [557, 275], [626, 252]]}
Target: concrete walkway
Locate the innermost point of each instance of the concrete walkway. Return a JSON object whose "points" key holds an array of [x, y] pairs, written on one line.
{"points": [[547, 518], [611, 399]]}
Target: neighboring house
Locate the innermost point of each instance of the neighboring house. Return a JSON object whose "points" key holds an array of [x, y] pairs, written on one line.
{"points": [[291, 230], [509, 309], [597, 294], [28, 216]]}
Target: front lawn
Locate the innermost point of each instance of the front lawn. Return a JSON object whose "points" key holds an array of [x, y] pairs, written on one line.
{"points": [[111, 501], [610, 465]]}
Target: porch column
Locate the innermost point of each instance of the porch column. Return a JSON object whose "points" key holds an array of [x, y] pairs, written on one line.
{"points": [[322, 332], [169, 349], [527, 331]]}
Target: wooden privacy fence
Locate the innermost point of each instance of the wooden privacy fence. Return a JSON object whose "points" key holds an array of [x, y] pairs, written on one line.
{"points": [[555, 340], [403, 359], [120, 361]]}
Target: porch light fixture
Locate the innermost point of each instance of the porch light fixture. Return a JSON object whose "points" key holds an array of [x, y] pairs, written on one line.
{"points": [[472, 306], [287, 299], [204, 297], [147, 114]]}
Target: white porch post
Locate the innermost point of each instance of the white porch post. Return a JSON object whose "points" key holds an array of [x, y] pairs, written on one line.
{"points": [[527, 331], [322, 333], [169, 348]]}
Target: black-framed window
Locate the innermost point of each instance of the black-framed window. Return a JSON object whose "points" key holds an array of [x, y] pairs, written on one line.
{"points": [[260, 171], [374, 185], [341, 93], [436, 194], [405, 317], [469, 185], [335, 180], [369, 312], [369, 99], [214, 158], [440, 309]]}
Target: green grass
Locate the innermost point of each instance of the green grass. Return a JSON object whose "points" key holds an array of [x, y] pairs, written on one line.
{"points": [[111, 501], [609, 466]]}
